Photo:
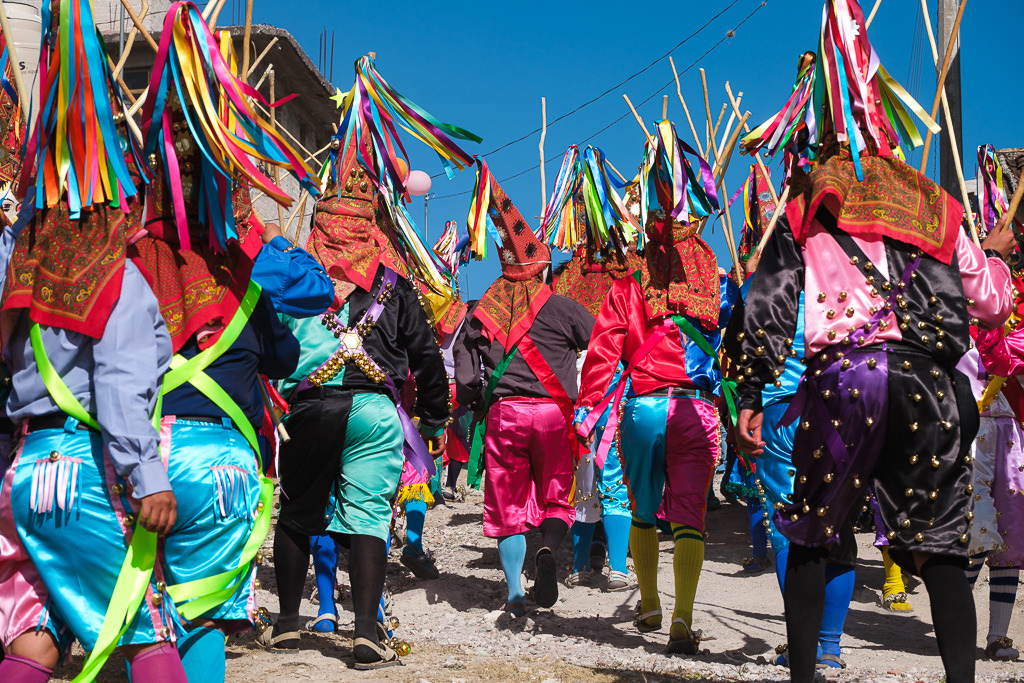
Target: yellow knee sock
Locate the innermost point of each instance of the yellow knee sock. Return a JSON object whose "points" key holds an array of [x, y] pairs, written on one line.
{"points": [[893, 582], [687, 561], [643, 545]]}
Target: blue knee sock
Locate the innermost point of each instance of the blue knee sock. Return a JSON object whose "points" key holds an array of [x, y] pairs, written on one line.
{"points": [[512, 552], [616, 531], [780, 566], [325, 561], [758, 532], [415, 516], [582, 535], [202, 654], [838, 593]]}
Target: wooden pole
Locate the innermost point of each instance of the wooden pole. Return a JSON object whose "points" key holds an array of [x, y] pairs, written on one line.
{"points": [[664, 107], [273, 122], [718, 124], [212, 21], [950, 130], [771, 224], [245, 38], [138, 24], [730, 241], [707, 110], [299, 210], [259, 59], [543, 134], [686, 110], [942, 79], [723, 164], [621, 177], [757, 155], [23, 95], [639, 120], [130, 41], [874, 11], [1015, 201]]}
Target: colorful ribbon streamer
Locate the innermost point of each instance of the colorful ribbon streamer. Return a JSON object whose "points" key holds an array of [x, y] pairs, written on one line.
{"points": [[202, 73]]}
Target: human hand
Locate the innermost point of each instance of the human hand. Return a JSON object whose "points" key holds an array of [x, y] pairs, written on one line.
{"points": [[1001, 238], [748, 432], [270, 231], [436, 444], [159, 512]]}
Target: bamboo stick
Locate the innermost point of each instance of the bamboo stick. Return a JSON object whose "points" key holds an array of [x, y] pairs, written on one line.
{"points": [[771, 224], [727, 152], [277, 169], [246, 35], [664, 107], [730, 240], [639, 120], [621, 177], [23, 95], [543, 134], [757, 155], [686, 110], [138, 24], [874, 11], [130, 41], [300, 207], [212, 22], [120, 81], [718, 123], [259, 59], [1015, 201], [953, 38], [707, 111], [949, 130]]}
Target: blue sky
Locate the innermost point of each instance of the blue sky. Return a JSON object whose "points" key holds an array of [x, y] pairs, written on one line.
{"points": [[485, 66]]}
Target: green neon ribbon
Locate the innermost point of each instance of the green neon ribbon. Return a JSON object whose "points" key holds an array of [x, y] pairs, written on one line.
{"points": [[475, 471], [728, 385]]}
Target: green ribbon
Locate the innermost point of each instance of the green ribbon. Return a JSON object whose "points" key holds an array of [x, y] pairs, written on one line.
{"points": [[475, 473], [728, 385]]}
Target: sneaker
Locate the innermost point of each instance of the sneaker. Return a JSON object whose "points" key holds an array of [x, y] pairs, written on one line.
{"points": [[620, 581], [419, 563]]}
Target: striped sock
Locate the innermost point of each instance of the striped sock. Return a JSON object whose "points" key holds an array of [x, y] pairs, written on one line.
{"points": [[974, 567], [1002, 593], [643, 544], [687, 561]]}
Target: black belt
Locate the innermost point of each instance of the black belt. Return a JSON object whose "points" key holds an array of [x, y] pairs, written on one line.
{"points": [[681, 392], [205, 419], [53, 421], [321, 393]]}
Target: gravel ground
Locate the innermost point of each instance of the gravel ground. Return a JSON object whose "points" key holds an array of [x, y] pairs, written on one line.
{"points": [[459, 634]]}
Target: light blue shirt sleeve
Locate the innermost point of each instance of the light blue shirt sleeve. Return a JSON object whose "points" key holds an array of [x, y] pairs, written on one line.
{"points": [[116, 378], [294, 281]]}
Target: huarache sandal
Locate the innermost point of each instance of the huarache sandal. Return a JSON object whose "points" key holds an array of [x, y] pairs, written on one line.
{"points": [[620, 581], [830, 661], [278, 642], [419, 563], [689, 644], [642, 619], [325, 623], [515, 609], [1002, 649], [780, 658], [370, 655], [756, 564], [897, 602]]}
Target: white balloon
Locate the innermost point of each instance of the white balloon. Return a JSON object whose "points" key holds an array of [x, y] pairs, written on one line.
{"points": [[418, 183]]}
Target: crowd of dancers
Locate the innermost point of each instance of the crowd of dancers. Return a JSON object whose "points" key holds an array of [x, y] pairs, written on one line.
{"points": [[861, 356]]}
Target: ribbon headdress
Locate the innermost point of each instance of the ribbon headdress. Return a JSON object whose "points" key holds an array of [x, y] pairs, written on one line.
{"points": [[12, 128], [68, 262], [683, 271], [372, 113]]}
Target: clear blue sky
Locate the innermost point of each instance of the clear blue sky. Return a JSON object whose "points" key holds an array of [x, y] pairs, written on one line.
{"points": [[485, 66]]}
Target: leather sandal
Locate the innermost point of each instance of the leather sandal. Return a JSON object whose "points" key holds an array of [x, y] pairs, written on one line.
{"points": [[275, 642], [640, 619], [897, 602], [829, 661], [688, 645], [386, 656], [327, 616]]}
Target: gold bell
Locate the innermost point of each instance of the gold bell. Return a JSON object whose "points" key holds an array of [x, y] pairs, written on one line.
{"points": [[403, 649]]}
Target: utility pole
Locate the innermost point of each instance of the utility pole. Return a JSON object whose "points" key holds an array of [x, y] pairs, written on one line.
{"points": [[947, 172], [426, 200]]}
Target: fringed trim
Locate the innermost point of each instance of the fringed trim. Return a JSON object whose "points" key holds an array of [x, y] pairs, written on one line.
{"points": [[416, 492], [54, 481], [232, 501]]}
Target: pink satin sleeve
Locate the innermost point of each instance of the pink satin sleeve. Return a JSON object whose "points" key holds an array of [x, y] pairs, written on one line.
{"points": [[1003, 356], [987, 284]]}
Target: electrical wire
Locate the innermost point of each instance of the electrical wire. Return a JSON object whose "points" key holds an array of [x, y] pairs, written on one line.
{"points": [[659, 91]]}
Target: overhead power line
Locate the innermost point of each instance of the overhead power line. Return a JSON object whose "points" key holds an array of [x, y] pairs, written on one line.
{"points": [[657, 92]]}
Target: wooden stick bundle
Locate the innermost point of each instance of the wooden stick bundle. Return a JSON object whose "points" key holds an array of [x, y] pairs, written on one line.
{"points": [[686, 110], [953, 37]]}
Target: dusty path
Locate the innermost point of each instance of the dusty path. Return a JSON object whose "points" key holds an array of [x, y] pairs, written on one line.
{"points": [[459, 635]]}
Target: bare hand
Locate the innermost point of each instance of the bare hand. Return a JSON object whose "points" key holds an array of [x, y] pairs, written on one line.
{"points": [[585, 441], [159, 512], [270, 231], [436, 444], [748, 432], [1001, 238]]}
